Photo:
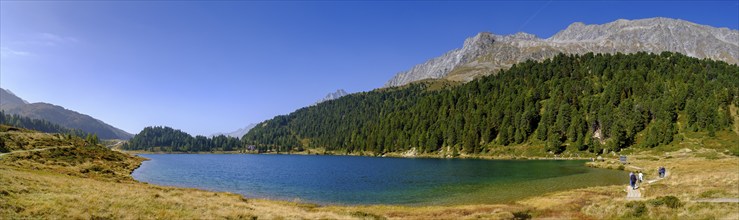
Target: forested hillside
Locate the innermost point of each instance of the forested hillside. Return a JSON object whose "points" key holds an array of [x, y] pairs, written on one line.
{"points": [[168, 139], [38, 125], [588, 102], [14, 105]]}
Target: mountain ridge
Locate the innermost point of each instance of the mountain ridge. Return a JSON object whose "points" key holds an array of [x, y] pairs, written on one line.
{"points": [[486, 53], [59, 115], [238, 133], [331, 96], [9, 98]]}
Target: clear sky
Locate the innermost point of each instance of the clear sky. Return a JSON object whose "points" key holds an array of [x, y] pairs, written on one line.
{"points": [[215, 66]]}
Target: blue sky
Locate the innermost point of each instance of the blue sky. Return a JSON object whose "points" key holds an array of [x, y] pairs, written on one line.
{"points": [[206, 67]]}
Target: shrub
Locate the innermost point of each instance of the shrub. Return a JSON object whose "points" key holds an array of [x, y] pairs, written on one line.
{"points": [[656, 202], [3, 149], [710, 155], [669, 201], [96, 168], [734, 151], [521, 215], [96, 217], [638, 208], [242, 216], [712, 193], [365, 215]]}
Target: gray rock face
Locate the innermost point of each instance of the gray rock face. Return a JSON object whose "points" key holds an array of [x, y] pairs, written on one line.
{"points": [[487, 53], [440, 66], [8, 99], [238, 133], [331, 96]]}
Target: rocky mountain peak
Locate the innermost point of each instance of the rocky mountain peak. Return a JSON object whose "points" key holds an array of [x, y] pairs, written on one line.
{"points": [[480, 40], [486, 53], [237, 133], [440, 66], [334, 95], [9, 98], [523, 36]]}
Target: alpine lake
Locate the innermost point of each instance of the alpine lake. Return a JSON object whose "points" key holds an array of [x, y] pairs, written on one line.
{"points": [[355, 180]]}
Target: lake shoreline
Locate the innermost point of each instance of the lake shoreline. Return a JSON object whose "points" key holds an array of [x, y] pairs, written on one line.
{"points": [[414, 182], [388, 155], [88, 182], [603, 202]]}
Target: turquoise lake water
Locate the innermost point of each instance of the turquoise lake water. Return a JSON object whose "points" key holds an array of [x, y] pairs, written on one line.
{"points": [[353, 180]]}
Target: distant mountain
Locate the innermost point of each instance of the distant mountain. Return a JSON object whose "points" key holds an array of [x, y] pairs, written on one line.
{"points": [[7, 98], [486, 53], [331, 96], [237, 133], [12, 104]]}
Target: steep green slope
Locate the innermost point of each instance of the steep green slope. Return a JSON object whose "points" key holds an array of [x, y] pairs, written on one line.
{"points": [[589, 103]]}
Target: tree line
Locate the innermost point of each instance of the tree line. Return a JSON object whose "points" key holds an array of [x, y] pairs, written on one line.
{"points": [[45, 126], [590, 102], [160, 138]]}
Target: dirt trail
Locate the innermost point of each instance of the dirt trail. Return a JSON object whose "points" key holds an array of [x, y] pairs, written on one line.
{"points": [[720, 200], [633, 194], [115, 144], [658, 179], [31, 150]]}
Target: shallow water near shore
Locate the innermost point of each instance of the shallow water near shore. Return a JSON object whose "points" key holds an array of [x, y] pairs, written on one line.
{"points": [[352, 180]]}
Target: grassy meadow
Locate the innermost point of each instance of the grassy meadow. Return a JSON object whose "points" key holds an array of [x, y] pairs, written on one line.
{"points": [[48, 176]]}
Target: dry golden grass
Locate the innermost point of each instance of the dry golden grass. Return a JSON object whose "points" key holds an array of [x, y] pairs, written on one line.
{"points": [[81, 181], [22, 139], [692, 176], [77, 182], [44, 194]]}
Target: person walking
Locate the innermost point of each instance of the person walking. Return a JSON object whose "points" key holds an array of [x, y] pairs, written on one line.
{"points": [[632, 180], [661, 172], [640, 178]]}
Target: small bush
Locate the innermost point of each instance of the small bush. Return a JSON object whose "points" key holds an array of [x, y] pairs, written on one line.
{"points": [[734, 151], [638, 208], [621, 167], [712, 193], [96, 168], [366, 215], [672, 202], [669, 201], [3, 149], [522, 215], [97, 217], [710, 155], [242, 216], [656, 202]]}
